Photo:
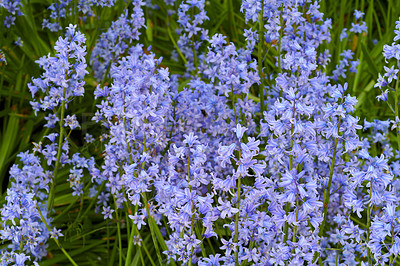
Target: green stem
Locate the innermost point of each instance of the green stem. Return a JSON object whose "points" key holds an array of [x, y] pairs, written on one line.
{"points": [[389, 9], [21, 244], [294, 239], [146, 250], [358, 222], [119, 232], [327, 193], [130, 239], [192, 222], [152, 222], [79, 218], [108, 244], [369, 224], [60, 142], [391, 255], [358, 73], [128, 226], [199, 234], [153, 236], [65, 210], [134, 228], [174, 43], [236, 239], [280, 39], [55, 239], [193, 47], [211, 246], [396, 108], [288, 205], [142, 259], [134, 232], [239, 185], [250, 247]]}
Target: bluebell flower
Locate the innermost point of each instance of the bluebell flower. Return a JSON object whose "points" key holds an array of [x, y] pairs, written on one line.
{"points": [[358, 28], [395, 249], [228, 246], [252, 8], [62, 9], [107, 212], [358, 14], [89, 138], [20, 259], [226, 208], [55, 233], [59, 73], [213, 260], [13, 9], [9, 21], [391, 73], [138, 220], [239, 131], [381, 82], [113, 43], [395, 124]]}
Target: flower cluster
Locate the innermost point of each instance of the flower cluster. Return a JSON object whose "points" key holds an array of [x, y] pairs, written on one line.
{"points": [[391, 73], [135, 110], [63, 8], [25, 219], [22, 224], [63, 76], [14, 9], [115, 42], [191, 16]]}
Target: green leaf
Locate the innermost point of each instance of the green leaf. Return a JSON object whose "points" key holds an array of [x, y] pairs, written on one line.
{"points": [[8, 143], [371, 64], [149, 30], [363, 94], [73, 253]]}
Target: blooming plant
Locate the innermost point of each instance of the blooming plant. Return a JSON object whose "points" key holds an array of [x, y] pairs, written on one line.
{"points": [[199, 133]]}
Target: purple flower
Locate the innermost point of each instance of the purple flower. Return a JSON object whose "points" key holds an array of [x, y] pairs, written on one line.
{"points": [[55, 233], [107, 212], [239, 131], [228, 246], [381, 82], [391, 73], [226, 208], [138, 220], [358, 14]]}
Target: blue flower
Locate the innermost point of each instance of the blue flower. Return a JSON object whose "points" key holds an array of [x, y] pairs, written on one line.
{"points": [[228, 246], [391, 73], [226, 208], [239, 131], [107, 212], [358, 14]]}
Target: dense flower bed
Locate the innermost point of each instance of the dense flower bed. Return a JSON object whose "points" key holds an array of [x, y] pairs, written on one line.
{"points": [[236, 148]]}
